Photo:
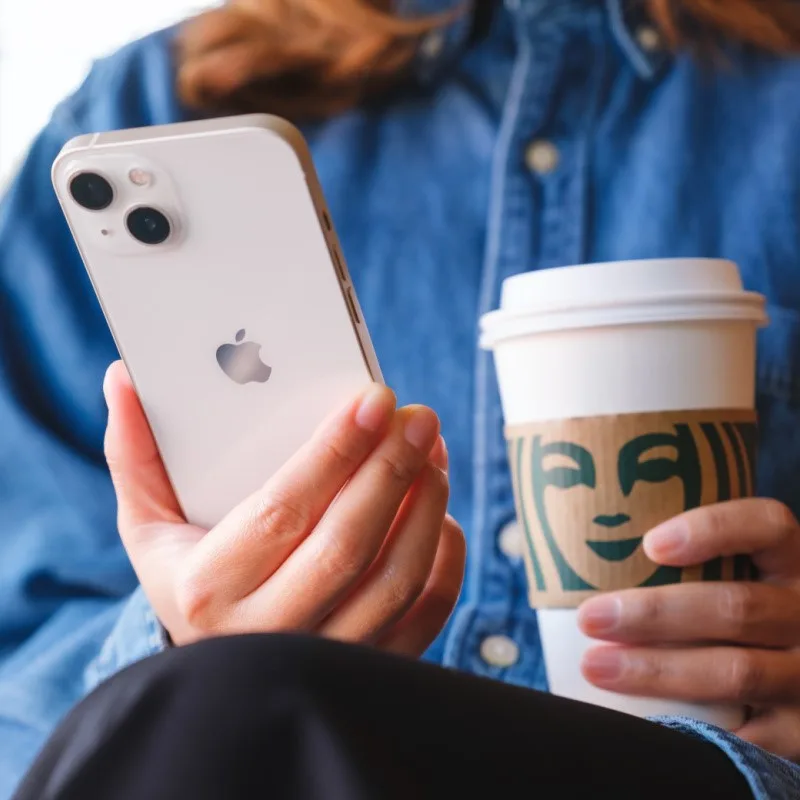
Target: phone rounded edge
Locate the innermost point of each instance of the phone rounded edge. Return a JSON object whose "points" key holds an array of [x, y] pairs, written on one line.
{"points": [[77, 144]]}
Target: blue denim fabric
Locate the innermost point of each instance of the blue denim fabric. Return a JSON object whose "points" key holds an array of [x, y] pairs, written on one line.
{"points": [[658, 156]]}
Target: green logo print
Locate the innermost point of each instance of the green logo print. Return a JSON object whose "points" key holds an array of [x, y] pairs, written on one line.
{"points": [[587, 499]]}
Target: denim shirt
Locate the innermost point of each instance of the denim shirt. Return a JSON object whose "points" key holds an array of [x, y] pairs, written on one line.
{"points": [[565, 135]]}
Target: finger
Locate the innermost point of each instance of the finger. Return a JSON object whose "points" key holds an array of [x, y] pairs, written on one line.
{"points": [[417, 630], [766, 529], [746, 613], [399, 574], [776, 731], [246, 547], [144, 492], [335, 557], [700, 675]]}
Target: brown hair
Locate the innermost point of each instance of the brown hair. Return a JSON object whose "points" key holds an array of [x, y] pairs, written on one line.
{"points": [[314, 58]]}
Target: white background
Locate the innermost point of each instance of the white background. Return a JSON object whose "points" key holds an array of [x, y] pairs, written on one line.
{"points": [[46, 47]]}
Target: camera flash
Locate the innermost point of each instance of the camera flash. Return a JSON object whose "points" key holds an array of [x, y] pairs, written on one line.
{"points": [[140, 177]]}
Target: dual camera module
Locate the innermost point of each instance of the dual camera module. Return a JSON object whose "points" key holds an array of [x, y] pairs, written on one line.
{"points": [[93, 192]]}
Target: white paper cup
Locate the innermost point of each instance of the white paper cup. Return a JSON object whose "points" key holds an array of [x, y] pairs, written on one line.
{"points": [[622, 338]]}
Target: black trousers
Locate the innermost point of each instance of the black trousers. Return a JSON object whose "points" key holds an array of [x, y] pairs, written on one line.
{"points": [[278, 717]]}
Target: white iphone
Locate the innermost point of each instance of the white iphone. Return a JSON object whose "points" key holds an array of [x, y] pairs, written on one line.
{"points": [[213, 255]]}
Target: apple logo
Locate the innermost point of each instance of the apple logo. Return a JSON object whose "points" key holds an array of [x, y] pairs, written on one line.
{"points": [[242, 363]]}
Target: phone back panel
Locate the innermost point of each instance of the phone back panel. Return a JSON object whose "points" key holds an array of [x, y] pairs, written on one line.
{"points": [[249, 259]]}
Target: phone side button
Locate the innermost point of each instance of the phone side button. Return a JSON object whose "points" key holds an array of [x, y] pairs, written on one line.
{"points": [[339, 263], [351, 303]]}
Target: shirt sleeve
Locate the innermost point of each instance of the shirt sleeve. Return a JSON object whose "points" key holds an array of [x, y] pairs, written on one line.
{"points": [[769, 777], [83, 643], [71, 611]]}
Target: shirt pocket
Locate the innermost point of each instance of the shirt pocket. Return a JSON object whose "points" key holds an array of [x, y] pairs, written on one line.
{"points": [[778, 402]]}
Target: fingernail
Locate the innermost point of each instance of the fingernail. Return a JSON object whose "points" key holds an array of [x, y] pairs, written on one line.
{"points": [[121, 377], [106, 381], [600, 615], [667, 540], [603, 665], [375, 408], [421, 428], [439, 455]]}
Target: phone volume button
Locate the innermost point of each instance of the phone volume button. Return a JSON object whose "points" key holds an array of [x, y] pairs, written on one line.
{"points": [[351, 303], [339, 265]]}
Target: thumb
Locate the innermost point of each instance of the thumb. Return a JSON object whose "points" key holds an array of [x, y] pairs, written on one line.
{"points": [[150, 521], [144, 493]]}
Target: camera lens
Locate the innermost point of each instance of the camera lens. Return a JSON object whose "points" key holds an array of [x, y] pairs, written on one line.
{"points": [[92, 191], [148, 225]]}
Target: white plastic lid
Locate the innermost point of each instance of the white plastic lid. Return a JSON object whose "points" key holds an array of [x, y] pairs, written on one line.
{"points": [[621, 293]]}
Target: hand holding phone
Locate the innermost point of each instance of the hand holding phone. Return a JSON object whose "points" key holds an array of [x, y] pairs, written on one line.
{"points": [[349, 539]]}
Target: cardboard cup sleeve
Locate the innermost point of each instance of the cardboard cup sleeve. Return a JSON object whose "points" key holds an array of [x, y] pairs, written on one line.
{"points": [[587, 490]]}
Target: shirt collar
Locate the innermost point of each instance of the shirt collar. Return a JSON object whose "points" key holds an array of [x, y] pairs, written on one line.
{"points": [[637, 36], [634, 32], [439, 48]]}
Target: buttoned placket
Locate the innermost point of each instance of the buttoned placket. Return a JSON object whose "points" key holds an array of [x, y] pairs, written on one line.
{"points": [[536, 220]]}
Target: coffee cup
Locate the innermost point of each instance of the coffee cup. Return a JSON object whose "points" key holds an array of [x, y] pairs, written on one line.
{"points": [[628, 394]]}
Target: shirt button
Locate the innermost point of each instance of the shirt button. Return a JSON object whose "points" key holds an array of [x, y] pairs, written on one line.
{"points": [[649, 39], [542, 156], [432, 44], [510, 540], [499, 651]]}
